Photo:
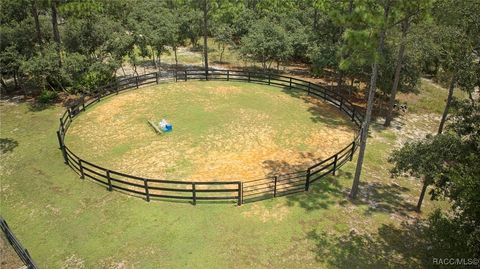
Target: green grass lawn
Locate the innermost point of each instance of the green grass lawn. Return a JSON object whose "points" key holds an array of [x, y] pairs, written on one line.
{"points": [[431, 100], [66, 222]]}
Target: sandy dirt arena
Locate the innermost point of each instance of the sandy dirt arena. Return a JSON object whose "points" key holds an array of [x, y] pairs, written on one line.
{"points": [[221, 131]]}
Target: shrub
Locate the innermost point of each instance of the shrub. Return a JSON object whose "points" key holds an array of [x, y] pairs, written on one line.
{"points": [[47, 96]]}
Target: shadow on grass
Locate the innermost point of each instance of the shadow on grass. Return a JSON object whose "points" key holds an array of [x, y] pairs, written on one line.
{"points": [[37, 106], [391, 248], [379, 197], [220, 62], [382, 197], [322, 194], [319, 114], [412, 244], [7, 145], [378, 127]]}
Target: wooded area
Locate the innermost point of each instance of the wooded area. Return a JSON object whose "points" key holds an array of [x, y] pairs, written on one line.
{"points": [[370, 47]]}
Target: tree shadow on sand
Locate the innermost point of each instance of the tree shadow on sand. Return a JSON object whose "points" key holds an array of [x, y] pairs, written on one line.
{"points": [[321, 112], [277, 167]]}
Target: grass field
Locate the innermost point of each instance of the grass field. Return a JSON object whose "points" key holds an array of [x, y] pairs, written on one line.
{"points": [[222, 131], [66, 222]]}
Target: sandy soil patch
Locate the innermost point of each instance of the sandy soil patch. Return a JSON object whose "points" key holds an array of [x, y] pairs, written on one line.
{"points": [[226, 141], [277, 213]]}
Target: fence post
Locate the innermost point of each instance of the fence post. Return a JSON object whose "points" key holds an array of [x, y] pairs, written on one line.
{"points": [[307, 180], [136, 81], [59, 140], [109, 181], [64, 153], [69, 112], [335, 164], [353, 113], [206, 74], [240, 193], [62, 146], [248, 76], [290, 82], [185, 75], [228, 75], [62, 127], [269, 77], [82, 174], [116, 87], [341, 102], [275, 186], [156, 77], [194, 194], [29, 257], [176, 75], [308, 87], [353, 150], [145, 182]]}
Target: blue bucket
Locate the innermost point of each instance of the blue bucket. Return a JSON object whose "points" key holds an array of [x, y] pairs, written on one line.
{"points": [[168, 128]]}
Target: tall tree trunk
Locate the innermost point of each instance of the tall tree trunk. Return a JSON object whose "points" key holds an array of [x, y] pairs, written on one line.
{"points": [[350, 89], [453, 82], [343, 55], [159, 54], [56, 33], [398, 69], [422, 194], [368, 115], [350, 7], [176, 59], [470, 96], [339, 79], [38, 31], [2, 83], [135, 68], [205, 32], [154, 59], [221, 53], [15, 79]]}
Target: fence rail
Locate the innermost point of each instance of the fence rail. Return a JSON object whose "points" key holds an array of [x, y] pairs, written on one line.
{"points": [[17, 246], [193, 191]]}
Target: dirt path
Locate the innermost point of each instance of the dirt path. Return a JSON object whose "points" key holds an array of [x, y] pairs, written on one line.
{"points": [[412, 127]]}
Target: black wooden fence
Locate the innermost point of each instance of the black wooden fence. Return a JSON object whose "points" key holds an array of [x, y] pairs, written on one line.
{"points": [[19, 249], [194, 191]]}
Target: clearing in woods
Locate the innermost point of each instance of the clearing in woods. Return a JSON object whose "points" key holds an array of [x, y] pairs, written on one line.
{"points": [[46, 203], [221, 131]]}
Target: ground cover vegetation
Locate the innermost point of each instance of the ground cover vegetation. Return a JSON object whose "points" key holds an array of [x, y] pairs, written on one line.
{"points": [[374, 52]]}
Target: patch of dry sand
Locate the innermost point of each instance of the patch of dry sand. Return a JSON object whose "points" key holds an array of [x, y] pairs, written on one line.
{"points": [[240, 152], [277, 213]]}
